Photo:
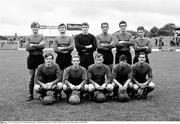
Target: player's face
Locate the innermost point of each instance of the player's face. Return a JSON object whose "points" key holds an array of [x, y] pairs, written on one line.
{"points": [[123, 27], [85, 29], [99, 61], [75, 61], [104, 28], [48, 61], [62, 29], [140, 33], [142, 58], [35, 30]]}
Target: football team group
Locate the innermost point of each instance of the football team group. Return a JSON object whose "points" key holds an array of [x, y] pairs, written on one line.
{"points": [[85, 75]]}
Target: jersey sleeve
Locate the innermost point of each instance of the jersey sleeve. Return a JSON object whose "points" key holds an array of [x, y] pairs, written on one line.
{"points": [[66, 74], [84, 74], [58, 73], [150, 75]]}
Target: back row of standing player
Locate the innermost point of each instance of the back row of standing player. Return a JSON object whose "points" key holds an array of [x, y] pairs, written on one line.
{"points": [[85, 44]]}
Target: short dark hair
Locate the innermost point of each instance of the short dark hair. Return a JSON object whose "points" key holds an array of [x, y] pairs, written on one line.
{"points": [[123, 58], [85, 24], [62, 24], [104, 23], [48, 54], [140, 28], [76, 56], [35, 24], [98, 55], [142, 53], [122, 22]]}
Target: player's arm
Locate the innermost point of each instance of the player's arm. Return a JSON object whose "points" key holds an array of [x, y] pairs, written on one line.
{"points": [[99, 45], [128, 80], [133, 77], [28, 46], [55, 46], [84, 77], [150, 76], [114, 76], [89, 76], [66, 77], [93, 43], [130, 42], [42, 44], [113, 42], [138, 48], [77, 43], [149, 47], [38, 77], [70, 47], [58, 76]]}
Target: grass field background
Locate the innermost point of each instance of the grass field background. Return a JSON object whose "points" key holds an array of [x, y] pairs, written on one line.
{"points": [[163, 104]]}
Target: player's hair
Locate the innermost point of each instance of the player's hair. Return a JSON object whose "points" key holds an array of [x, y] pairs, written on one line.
{"points": [[76, 56], [98, 55], [140, 28], [48, 54], [122, 22], [85, 24], [142, 53], [104, 23], [35, 24], [62, 24], [123, 58]]}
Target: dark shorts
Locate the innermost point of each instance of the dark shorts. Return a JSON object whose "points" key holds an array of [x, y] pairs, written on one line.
{"points": [[108, 56], [86, 59], [127, 53], [64, 60], [33, 61]]}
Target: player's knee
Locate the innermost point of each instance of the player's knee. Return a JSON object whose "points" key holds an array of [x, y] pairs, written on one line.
{"points": [[86, 87], [135, 86], [130, 85], [60, 86], [110, 87], [36, 88], [65, 87], [91, 88], [151, 85]]}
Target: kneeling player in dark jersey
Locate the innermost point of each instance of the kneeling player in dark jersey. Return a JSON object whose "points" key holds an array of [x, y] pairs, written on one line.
{"points": [[96, 76], [122, 75], [74, 77], [141, 70], [35, 44], [105, 43], [48, 77]]}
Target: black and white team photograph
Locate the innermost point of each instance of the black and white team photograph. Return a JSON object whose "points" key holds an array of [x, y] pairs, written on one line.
{"points": [[89, 61]]}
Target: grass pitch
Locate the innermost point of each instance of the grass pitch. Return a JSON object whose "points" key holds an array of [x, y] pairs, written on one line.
{"points": [[163, 104]]}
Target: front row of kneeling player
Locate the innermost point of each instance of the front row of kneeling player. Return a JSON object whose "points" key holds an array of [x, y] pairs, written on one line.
{"points": [[97, 83]]}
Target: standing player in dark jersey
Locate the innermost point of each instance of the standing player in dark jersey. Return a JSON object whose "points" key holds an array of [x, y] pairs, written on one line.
{"points": [[48, 77], [142, 76], [74, 77], [122, 75], [125, 40], [85, 45], [105, 42], [141, 44], [96, 76], [63, 46], [35, 44]]}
